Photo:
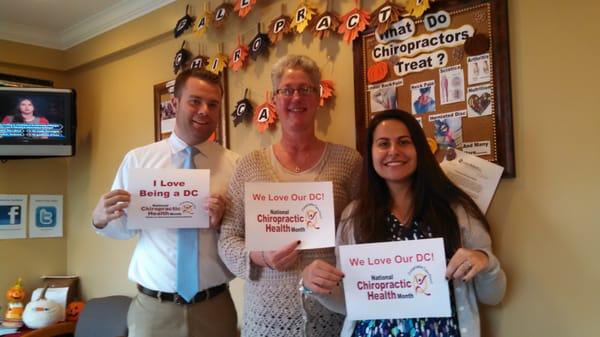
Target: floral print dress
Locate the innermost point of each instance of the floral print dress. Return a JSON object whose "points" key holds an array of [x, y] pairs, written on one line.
{"points": [[409, 327]]}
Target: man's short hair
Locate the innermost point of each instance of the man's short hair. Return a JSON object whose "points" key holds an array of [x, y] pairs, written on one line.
{"points": [[198, 73]]}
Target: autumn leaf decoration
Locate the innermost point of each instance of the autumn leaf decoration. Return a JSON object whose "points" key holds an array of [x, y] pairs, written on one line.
{"points": [[239, 56], [218, 63], [265, 114], [327, 91], [353, 23], [325, 23], [304, 13], [199, 62], [221, 14], [181, 58], [243, 7], [279, 27], [416, 8], [259, 44], [243, 110], [203, 21], [183, 23], [385, 15]]}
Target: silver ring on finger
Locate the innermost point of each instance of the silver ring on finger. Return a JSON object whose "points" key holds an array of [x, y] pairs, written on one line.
{"points": [[468, 264]]}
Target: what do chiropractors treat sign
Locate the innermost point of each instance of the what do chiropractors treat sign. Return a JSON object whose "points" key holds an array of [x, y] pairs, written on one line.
{"points": [[167, 198], [399, 279], [279, 213]]}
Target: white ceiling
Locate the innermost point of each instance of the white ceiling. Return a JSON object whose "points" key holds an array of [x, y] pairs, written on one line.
{"points": [[62, 24]]}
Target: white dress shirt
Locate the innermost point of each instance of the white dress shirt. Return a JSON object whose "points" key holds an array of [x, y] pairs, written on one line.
{"points": [[153, 262]]}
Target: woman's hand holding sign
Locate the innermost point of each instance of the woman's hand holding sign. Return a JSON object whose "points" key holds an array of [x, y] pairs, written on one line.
{"points": [[321, 277], [465, 264], [280, 260], [111, 206], [214, 205]]}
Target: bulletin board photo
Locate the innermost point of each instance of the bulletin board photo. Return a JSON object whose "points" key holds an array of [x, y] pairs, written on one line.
{"points": [[450, 69]]}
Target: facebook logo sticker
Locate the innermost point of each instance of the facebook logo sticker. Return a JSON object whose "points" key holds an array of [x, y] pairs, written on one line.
{"points": [[45, 216], [10, 215]]}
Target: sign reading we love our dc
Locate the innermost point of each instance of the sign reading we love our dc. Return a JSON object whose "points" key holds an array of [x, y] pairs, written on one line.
{"points": [[399, 279], [279, 213], [167, 198]]}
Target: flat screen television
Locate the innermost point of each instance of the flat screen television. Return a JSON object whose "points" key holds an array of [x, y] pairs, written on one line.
{"points": [[37, 122]]}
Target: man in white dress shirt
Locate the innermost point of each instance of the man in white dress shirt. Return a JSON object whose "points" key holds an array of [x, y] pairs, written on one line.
{"points": [[158, 310]]}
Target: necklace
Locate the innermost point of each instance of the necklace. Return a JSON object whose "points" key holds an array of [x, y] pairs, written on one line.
{"points": [[403, 220], [310, 158]]}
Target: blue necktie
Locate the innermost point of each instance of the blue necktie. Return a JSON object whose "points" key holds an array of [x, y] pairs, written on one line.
{"points": [[188, 279]]}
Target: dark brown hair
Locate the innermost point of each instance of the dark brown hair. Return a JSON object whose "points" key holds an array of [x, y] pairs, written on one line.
{"points": [[434, 194], [18, 116], [198, 73]]}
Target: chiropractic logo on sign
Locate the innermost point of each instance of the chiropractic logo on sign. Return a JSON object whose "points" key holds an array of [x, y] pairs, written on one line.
{"points": [[312, 215]]}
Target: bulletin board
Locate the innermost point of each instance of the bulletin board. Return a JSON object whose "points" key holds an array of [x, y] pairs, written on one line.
{"points": [[450, 69]]}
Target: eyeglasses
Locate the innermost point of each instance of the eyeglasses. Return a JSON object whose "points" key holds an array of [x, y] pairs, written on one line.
{"points": [[302, 91]]}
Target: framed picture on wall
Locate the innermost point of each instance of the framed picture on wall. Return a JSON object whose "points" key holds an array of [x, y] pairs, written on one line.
{"points": [[7, 80], [164, 112], [450, 69]]}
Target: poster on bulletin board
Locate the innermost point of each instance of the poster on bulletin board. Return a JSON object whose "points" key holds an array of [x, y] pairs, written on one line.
{"points": [[450, 69]]}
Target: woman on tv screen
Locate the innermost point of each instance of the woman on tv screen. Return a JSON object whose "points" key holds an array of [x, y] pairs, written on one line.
{"points": [[24, 113]]}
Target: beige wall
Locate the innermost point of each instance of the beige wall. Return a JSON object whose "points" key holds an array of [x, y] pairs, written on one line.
{"points": [[31, 258], [543, 223]]}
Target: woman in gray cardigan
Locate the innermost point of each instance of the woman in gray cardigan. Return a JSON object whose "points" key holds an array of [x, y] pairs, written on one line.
{"points": [[404, 196], [273, 306]]}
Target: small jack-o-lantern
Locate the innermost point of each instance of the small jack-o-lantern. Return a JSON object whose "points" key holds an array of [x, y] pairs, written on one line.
{"points": [[14, 313], [16, 293], [73, 310]]}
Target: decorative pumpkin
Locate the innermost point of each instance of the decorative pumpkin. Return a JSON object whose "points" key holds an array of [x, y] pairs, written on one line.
{"points": [[16, 293], [14, 313], [377, 72], [74, 309], [42, 312]]}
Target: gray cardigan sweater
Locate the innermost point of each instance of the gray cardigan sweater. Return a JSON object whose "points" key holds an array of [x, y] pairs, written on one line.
{"points": [[487, 287], [273, 305]]}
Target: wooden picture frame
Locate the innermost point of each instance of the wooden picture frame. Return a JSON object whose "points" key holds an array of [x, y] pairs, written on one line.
{"points": [[491, 99], [7, 80], [164, 115]]}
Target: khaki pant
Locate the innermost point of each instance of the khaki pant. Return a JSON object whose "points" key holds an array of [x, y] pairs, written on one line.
{"points": [[215, 317]]}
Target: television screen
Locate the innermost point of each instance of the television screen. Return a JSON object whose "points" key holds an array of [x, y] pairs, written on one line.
{"points": [[37, 122]]}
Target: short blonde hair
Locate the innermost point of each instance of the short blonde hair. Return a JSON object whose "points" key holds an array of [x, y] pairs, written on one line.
{"points": [[304, 63]]}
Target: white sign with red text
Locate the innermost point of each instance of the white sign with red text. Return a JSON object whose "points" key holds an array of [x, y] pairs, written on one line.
{"points": [[279, 213], [167, 198], [398, 279]]}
